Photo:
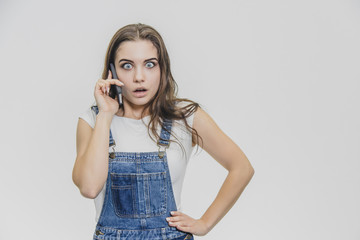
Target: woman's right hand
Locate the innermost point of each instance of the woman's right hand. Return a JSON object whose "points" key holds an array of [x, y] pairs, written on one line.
{"points": [[104, 102]]}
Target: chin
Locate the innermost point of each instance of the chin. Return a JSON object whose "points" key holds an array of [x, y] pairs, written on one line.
{"points": [[140, 101]]}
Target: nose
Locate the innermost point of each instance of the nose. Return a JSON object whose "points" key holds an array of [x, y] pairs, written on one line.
{"points": [[139, 75]]}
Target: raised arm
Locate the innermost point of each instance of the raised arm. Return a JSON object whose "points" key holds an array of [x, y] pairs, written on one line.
{"points": [[92, 145], [232, 158], [91, 164]]}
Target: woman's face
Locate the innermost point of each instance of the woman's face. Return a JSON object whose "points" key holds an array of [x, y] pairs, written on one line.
{"points": [[137, 66]]}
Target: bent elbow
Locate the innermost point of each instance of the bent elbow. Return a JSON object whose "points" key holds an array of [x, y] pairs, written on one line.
{"points": [[251, 169], [247, 172], [86, 191], [251, 172], [89, 192]]}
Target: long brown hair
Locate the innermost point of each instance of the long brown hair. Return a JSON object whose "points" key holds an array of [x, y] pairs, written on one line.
{"points": [[164, 104]]}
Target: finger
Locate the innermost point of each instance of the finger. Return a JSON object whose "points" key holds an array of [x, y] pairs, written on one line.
{"points": [[176, 224], [176, 213], [119, 83], [107, 87], [109, 75], [183, 223], [113, 81], [173, 219], [184, 228], [102, 87], [99, 85]]}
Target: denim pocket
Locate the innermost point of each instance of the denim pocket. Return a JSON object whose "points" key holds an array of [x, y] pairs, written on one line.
{"points": [[139, 195], [123, 194]]}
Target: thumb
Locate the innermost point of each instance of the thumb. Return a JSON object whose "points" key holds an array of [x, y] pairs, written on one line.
{"points": [[109, 75]]}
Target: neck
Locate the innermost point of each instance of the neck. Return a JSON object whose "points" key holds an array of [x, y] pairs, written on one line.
{"points": [[132, 111]]}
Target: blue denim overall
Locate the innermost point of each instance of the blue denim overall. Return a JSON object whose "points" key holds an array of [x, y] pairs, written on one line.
{"points": [[138, 195]]}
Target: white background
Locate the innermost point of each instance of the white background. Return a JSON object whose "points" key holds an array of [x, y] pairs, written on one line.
{"points": [[280, 77]]}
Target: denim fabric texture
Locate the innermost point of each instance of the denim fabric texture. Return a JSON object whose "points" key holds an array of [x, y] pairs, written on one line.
{"points": [[139, 195]]}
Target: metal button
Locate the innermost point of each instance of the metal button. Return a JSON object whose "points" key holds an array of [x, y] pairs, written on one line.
{"points": [[189, 236], [161, 154], [98, 232], [112, 155]]}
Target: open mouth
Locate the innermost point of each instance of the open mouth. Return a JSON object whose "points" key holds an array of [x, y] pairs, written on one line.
{"points": [[140, 90]]}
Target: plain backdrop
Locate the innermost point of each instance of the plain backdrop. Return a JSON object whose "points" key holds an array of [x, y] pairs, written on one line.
{"points": [[281, 78]]}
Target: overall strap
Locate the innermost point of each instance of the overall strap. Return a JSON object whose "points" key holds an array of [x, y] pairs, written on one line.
{"points": [[165, 133], [111, 141], [164, 142]]}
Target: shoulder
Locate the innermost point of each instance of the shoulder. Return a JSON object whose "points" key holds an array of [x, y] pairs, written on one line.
{"points": [[217, 144], [185, 104], [187, 108], [202, 117], [207, 129], [195, 112]]}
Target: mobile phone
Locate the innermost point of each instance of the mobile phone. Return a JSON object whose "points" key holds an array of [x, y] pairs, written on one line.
{"points": [[115, 90]]}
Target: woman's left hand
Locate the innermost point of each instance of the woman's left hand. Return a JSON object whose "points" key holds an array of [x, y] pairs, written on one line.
{"points": [[188, 224]]}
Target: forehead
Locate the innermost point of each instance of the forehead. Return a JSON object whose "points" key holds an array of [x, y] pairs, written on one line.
{"points": [[136, 50]]}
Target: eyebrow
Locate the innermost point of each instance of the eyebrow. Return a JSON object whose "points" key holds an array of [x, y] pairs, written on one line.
{"points": [[133, 61]]}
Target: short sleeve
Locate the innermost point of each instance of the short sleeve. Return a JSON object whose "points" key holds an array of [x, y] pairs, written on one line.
{"points": [[89, 116], [189, 118]]}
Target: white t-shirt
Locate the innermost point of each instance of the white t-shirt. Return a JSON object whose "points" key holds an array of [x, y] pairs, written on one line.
{"points": [[131, 135]]}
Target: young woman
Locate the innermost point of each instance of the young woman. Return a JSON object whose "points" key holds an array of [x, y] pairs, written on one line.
{"points": [[131, 158]]}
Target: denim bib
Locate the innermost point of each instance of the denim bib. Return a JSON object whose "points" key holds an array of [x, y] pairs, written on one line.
{"points": [[139, 195]]}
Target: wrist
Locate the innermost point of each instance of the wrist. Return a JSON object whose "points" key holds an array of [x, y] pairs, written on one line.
{"points": [[206, 225], [105, 117]]}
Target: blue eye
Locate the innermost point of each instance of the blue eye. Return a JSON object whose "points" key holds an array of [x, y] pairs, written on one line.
{"points": [[150, 64], [126, 66]]}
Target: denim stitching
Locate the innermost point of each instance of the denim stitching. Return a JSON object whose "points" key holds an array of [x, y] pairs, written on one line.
{"points": [[165, 190], [161, 208]]}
